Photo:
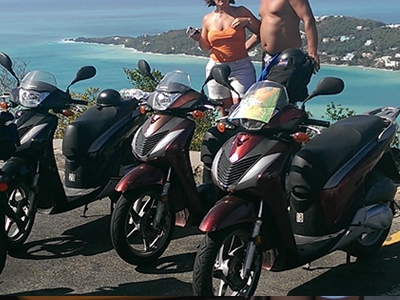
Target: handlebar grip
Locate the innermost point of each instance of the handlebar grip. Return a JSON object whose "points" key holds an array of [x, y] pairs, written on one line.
{"points": [[80, 102], [318, 122], [216, 103]]}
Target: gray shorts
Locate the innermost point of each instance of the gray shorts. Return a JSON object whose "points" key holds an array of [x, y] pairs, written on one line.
{"points": [[243, 75]]}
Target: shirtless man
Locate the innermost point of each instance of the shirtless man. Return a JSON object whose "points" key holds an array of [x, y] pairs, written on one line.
{"points": [[280, 27]]}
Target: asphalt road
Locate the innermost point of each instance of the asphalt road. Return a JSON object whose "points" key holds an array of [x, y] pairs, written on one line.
{"points": [[68, 254]]}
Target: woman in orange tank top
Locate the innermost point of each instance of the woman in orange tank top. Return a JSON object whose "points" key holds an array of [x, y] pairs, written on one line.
{"points": [[223, 35]]}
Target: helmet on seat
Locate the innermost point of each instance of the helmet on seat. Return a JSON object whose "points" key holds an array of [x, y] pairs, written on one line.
{"points": [[292, 56], [109, 97]]}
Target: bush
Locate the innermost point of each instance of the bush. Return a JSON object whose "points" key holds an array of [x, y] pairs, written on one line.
{"points": [[90, 96]]}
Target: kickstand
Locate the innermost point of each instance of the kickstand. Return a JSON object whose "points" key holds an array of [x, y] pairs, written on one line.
{"points": [[348, 258], [85, 209], [307, 267], [360, 267], [111, 206]]}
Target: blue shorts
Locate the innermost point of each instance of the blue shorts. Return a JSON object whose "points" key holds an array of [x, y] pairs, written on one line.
{"points": [[268, 61]]}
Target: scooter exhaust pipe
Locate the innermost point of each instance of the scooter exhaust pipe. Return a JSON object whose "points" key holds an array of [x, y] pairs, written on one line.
{"points": [[376, 217], [367, 219]]}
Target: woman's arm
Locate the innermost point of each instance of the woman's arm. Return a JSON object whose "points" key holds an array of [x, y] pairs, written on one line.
{"points": [[201, 36]]}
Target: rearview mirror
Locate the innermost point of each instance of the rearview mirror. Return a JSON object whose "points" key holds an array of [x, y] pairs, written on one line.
{"points": [[83, 73], [221, 74], [6, 62], [144, 67], [327, 86]]}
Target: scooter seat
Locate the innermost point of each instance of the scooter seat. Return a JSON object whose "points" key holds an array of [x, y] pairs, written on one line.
{"points": [[323, 155], [80, 134]]}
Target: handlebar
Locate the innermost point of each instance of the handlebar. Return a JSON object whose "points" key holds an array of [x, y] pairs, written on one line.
{"points": [[216, 103], [76, 101], [317, 122]]}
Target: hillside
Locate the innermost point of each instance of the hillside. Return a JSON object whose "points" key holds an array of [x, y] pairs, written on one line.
{"points": [[342, 40]]}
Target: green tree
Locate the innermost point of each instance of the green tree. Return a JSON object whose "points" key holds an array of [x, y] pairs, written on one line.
{"points": [[142, 81], [90, 96], [336, 112], [7, 81]]}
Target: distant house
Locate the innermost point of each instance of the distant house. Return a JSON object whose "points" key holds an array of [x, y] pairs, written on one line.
{"points": [[344, 38], [388, 62], [366, 55], [348, 56], [368, 42]]}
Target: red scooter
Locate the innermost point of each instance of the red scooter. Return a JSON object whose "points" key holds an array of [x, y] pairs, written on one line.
{"points": [[289, 203], [161, 191]]}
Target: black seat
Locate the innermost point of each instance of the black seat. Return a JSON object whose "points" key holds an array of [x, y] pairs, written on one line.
{"points": [[80, 134], [322, 156]]}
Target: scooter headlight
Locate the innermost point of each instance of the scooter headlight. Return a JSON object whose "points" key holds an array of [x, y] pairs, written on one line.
{"points": [[30, 98], [251, 125], [162, 100]]}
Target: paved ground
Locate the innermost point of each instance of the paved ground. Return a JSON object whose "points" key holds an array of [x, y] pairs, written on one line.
{"points": [[71, 255], [68, 254]]}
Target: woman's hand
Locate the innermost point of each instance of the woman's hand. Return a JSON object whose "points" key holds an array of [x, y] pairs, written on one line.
{"points": [[240, 22], [196, 35]]}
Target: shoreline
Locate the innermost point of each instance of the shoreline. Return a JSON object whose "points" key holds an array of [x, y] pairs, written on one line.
{"points": [[65, 40]]}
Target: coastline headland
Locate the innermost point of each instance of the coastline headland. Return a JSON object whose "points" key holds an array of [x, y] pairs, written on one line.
{"points": [[344, 41]]}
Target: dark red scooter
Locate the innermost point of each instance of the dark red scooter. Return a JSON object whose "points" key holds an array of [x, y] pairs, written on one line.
{"points": [[289, 203], [161, 191]]}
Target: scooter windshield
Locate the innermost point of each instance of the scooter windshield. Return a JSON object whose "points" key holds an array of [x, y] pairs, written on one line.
{"points": [[170, 88], [35, 87], [39, 81], [261, 102]]}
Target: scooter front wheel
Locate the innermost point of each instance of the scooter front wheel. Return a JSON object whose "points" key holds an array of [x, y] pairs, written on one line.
{"points": [[134, 234], [218, 267], [3, 247], [20, 199]]}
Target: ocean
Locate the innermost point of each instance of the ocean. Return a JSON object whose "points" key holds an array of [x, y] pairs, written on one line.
{"points": [[34, 31]]}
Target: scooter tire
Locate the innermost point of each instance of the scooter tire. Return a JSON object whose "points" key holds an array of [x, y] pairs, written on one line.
{"points": [[20, 200], [3, 247], [131, 224], [207, 263]]}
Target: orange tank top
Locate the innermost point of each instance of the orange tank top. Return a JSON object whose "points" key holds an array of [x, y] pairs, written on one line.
{"points": [[228, 44]]}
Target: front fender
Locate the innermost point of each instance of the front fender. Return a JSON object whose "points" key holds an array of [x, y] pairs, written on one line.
{"points": [[140, 176], [228, 211], [12, 168]]}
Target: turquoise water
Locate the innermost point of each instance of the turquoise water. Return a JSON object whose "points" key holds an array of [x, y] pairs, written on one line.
{"points": [[35, 29]]}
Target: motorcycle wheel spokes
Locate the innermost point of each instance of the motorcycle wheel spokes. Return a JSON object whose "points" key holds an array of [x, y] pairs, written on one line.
{"points": [[144, 237], [19, 201], [219, 264], [135, 236]]}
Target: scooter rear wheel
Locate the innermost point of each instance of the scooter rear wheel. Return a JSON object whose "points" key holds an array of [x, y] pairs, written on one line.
{"points": [[132, 233], [20, 200], [218, 266]]}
